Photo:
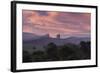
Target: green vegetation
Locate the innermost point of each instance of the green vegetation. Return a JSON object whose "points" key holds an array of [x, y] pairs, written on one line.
{"points": [[26, 57], [59, 53]]}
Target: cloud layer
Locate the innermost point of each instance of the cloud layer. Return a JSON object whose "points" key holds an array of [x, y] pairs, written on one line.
{"points": [[53, 23]]}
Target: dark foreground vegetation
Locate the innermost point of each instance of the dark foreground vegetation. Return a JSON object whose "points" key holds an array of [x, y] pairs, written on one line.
{"points": [[59, 53]]}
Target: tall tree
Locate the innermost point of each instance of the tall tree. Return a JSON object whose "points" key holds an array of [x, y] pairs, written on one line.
{"points": [[86, 48], [26, 57], [52, 51]]}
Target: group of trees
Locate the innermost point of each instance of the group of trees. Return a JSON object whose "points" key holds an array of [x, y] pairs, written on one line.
{"points": [[59, 53]]}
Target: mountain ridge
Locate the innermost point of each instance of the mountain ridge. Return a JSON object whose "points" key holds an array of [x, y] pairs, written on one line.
{"points": [[45, 39]]}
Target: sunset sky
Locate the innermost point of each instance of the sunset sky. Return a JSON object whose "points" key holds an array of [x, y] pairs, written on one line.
{"points": [[50, 22]]}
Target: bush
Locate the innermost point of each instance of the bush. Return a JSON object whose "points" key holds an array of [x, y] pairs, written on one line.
{"points": [[38, 56], [26, 57], [52, 52]]}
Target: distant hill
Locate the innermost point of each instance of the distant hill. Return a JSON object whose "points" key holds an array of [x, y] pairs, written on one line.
{"points": [[45, 39], [30, 40], [31, 36]]}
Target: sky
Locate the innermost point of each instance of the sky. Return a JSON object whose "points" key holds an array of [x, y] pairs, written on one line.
{"points": [[50, 22]]}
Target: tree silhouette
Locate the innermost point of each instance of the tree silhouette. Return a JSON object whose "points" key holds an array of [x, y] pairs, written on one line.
{"points": [[34, 48], [52, 52], [86, 48], [38, 56], [66, 52], [26, 57]]}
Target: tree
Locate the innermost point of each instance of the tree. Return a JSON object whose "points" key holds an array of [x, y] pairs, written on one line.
{"points": [[85, 47], [65, 52], [52, 52], [34, 48], [38, 56], [26, 57]]}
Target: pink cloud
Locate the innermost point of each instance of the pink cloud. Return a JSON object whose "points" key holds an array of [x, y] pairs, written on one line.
{"points": [[56, 22]]}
